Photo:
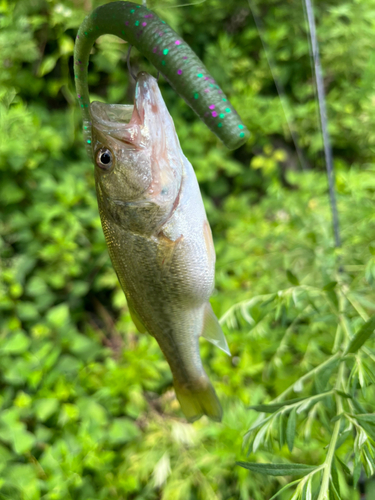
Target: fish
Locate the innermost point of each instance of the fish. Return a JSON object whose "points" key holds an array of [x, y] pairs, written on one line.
{"points": [[158, 237]]}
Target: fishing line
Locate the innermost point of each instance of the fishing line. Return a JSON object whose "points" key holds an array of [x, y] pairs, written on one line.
{"points": [[317, 68], [279, 87], [187, 4], [321, 153], [128, 62], [181, 5]]}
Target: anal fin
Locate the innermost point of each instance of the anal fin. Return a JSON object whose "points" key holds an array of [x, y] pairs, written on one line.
{"points": [[212, 330]]}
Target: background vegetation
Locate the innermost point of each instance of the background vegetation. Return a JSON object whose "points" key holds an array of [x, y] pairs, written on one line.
{"points": [[87, 406]]}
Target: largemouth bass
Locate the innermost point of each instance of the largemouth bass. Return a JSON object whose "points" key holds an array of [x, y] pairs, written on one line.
{"points": [[158, 237]]}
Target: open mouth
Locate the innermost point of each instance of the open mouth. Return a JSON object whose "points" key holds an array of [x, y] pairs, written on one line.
{"points": [[108, 115], [124, 121], [119, 121]]}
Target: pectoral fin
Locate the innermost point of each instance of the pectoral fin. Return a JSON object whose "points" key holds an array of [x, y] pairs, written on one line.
{"points": [[212, 330], [167, 248]]}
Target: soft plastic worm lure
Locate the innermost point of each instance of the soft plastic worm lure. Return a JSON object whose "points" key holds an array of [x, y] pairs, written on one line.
{"points": [[166, 50]]}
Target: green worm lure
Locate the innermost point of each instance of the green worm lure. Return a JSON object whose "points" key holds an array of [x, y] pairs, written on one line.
{"points": [[166, 50]]}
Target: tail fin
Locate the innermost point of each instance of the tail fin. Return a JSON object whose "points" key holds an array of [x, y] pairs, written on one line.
{"points": [[197, 402]]}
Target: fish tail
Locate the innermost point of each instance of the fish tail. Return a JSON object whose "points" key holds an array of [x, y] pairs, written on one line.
{"points": [[199, 401]]}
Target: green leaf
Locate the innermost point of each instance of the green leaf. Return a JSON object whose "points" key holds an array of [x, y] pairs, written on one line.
{"points": [[344, 394], [16, 343], [278, 469], [365, 417], [48, 64], [44, 408], [362, 336], [333, 491], [357, 472], [291, 429], [259, 423], [345, 468], [259, 437], [331, 294], [58, 316], [338, 417], [284, 488], [370, 460], [23, 441], [330, 286], [122, 430], [271, 408], [335, 477], [369, 428], [308, 489], [358, 406], [342, 438], [322, 376], [292, 278], [27, 311], [281, 430]]}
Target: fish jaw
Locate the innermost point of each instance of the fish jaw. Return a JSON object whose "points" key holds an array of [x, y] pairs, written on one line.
{"points": [[158, 126]]}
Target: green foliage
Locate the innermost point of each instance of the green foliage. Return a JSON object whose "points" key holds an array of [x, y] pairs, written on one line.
{"points": [[87, 405]]}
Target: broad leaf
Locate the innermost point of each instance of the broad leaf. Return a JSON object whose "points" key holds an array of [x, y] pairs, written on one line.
{"points": [[322, 376], [330, 286], [272, 407], [292, 278], [333, 492], [362, 335], [366, 417], [278, 469], [357, 472]]}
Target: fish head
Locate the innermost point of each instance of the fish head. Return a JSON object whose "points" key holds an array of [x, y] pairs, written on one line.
{"points": [[137, 156]]}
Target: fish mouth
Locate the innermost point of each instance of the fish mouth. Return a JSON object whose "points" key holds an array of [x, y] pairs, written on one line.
{"points": [[109, 115], [123, 121], [124, 115]]}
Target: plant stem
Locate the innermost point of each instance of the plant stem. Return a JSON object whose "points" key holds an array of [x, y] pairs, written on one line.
{"points": [[323, 494]]}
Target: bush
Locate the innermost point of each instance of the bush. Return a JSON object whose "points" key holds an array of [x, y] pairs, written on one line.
{"points": [[87, 405]]}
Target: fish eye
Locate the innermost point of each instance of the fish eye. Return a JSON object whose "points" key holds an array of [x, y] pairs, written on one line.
{"points": [[104, 158]]}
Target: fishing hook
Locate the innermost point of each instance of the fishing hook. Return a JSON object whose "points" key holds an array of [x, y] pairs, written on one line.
{"points": [[128, 62], [130, 68]]}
